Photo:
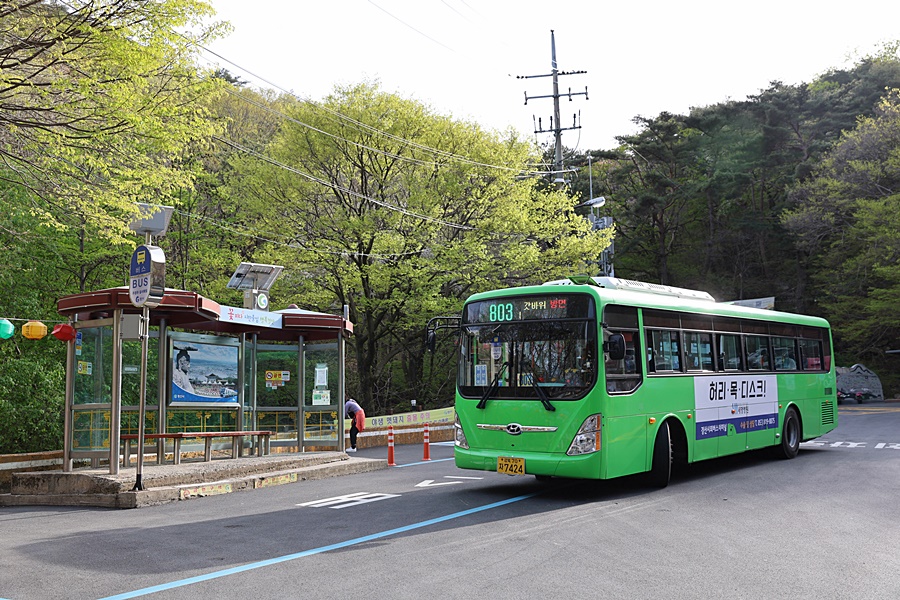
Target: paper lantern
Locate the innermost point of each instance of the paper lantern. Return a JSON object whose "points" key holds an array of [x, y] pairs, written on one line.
{"points": [[7, 329], [64, 332], [34, 330]]}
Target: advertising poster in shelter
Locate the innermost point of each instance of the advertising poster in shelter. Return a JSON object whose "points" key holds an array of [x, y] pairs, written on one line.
{"points": [[204, 374]]}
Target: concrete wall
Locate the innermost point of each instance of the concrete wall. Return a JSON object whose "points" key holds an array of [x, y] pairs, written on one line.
{"points": [[29, 461]]}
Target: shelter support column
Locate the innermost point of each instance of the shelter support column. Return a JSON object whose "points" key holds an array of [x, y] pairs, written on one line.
{"points": [[115, 412], [70, 401], [162, 390]]}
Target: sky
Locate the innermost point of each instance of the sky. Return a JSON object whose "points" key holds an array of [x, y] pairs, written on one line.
{"points": [[463, 57]]}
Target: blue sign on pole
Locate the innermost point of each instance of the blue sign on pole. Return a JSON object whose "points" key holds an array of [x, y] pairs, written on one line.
{"points": [[140, 261], [148, 275]]}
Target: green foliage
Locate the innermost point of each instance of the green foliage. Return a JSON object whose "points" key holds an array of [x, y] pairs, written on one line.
{"points": [[32, 399], [370, 217], [847, 220], [698, 199], [99, 100]]}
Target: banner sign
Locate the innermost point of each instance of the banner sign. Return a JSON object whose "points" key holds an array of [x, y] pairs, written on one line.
{"points": [[746, 402]]}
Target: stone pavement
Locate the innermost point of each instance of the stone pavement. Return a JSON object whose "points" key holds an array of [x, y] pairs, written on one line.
{"points": [[169, 483]]}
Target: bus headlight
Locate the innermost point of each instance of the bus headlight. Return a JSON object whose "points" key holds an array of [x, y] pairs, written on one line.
{"points": [[587, 439], [459, 434]]}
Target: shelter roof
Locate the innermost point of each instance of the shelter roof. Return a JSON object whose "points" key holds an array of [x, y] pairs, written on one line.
{"points": [[190, 310]]}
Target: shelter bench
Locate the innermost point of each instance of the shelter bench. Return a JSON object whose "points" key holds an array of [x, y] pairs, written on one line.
{"points": [[262, 442]]}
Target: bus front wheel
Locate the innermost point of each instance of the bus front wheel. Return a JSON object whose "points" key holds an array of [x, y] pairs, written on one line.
{"points": [[661, 465], [790, 435]]}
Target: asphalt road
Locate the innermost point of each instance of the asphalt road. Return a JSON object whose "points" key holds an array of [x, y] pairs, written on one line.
{"points": [[824, 525]]}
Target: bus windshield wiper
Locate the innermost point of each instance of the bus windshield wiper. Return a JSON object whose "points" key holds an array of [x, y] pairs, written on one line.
{"points": [[483, 402], [542, 395]]}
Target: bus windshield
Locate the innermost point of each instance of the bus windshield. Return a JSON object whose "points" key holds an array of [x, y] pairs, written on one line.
{"points": [[529, 347]]}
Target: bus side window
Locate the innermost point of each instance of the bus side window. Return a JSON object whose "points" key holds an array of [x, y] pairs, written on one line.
{"points": [[729, 353], [630, 366], [758, 353]]}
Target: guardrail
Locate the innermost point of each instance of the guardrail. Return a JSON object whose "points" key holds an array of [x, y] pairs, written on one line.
{"points": [[409, 434]]}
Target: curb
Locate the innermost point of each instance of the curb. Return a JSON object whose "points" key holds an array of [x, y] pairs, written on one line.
{"points": [[175, 484]]}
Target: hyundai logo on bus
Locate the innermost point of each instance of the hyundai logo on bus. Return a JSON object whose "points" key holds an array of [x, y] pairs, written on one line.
{"points": [[148, 276]]}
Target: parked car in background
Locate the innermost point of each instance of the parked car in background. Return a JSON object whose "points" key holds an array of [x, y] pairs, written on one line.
{"points": [[856, 395]]}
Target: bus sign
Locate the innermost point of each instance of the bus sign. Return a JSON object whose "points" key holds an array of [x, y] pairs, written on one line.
{"points": [[147, 281], [502, 310]]}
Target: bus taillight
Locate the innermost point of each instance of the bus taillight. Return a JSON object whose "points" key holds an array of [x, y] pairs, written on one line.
{"points": [[587, 439]]}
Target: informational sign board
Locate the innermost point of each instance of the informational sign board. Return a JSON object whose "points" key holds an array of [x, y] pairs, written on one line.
{"points": [[147, 284], [276, 379], [321, 397]]}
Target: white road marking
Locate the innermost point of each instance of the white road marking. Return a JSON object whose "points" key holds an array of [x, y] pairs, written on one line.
{"points": [[349, 500], [432, 483]]}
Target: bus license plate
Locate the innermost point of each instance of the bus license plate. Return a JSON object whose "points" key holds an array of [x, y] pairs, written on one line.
{"points": [[510, 465]]}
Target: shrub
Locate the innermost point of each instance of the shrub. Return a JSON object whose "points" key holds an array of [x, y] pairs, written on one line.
{"points": [[32, 401]]}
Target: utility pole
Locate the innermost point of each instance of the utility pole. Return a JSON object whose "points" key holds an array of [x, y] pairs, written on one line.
{"points": [[555, 124]]}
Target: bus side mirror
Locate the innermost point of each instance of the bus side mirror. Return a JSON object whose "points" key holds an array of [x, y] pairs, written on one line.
{"points": [[430, 340], [615, 346]]}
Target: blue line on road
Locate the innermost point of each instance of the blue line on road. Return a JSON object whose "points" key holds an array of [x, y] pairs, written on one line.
{"points": [[320, 550]]}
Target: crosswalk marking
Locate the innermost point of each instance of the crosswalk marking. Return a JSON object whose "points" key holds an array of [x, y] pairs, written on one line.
{"points": [[348, 500], [848, 444]]}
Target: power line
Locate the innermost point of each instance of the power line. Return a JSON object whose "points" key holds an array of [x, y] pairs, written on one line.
{"points": [[335, 187], [402, 22], [364, 126], [256, 236]]}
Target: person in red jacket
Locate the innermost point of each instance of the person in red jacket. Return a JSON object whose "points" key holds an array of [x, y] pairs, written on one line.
{"points": [[357, 416]]}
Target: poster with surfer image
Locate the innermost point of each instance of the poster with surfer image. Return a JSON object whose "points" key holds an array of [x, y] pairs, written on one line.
{"points": [[204, 374]]}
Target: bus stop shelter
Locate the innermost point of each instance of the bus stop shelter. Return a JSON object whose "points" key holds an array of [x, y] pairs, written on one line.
{"points": [[210, 368]]}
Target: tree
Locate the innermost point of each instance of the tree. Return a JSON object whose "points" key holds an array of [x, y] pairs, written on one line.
{"points": [[653, 185], [371, 217], [97, 101], [846, 221]]}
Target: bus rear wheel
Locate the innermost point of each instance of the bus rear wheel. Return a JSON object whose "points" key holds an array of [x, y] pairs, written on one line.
{"points": [[790, 435], [661, 466]]}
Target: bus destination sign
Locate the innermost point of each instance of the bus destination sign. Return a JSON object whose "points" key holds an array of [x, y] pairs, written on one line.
{"points": [[529, 308]]}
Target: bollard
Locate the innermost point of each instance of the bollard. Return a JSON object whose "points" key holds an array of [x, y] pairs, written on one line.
{"points": [[427, 455], [391, 462]]}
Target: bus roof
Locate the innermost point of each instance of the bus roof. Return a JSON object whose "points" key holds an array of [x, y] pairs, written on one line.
{"points": [[648, 295]]}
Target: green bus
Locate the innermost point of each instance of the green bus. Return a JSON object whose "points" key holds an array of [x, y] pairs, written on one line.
{"points": [[597, 378]]}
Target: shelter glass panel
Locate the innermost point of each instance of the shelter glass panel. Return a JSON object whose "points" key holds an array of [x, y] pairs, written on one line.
{"points": [[131, 373], [90, 430], [321, 404], [93, 366], [277, 379]]}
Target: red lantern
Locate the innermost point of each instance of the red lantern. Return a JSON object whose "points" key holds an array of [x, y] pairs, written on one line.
{"points": [[34, 330], [64, 332]]}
